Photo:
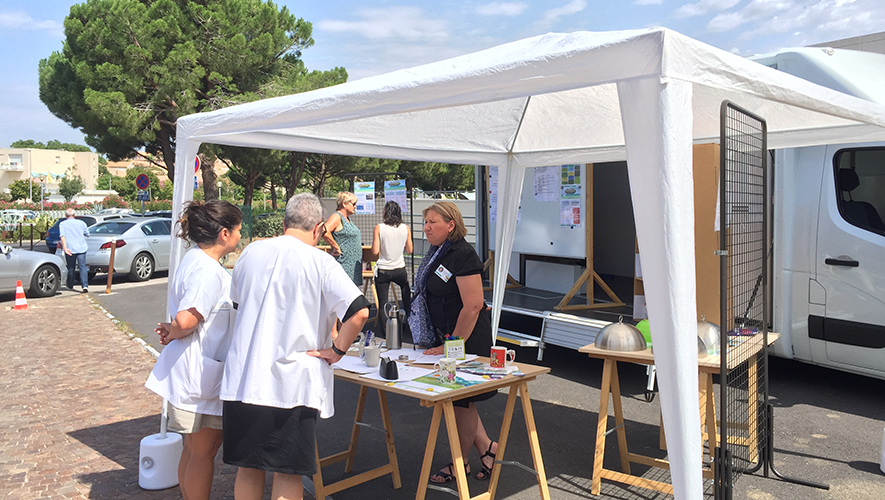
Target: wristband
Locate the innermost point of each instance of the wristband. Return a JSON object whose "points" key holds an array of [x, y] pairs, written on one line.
{"points": [[338, 351]]}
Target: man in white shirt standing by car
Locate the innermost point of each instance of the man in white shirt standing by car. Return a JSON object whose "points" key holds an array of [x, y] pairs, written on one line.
{"points": [[73, 241], [278, 375]]}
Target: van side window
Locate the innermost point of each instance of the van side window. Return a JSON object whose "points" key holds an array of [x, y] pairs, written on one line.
{"points": [[860, 186]]}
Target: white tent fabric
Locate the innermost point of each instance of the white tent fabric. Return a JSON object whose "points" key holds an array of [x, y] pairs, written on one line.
{"points": [[645, 96]]}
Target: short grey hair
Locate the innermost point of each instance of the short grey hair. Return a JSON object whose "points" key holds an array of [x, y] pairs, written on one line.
{"points": [[69, 212], [304, 211]]}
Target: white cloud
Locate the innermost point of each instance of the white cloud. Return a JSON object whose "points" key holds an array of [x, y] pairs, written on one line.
{"points": [[14, 20], [501, 9], [406, 23], [809, 21], [553, 15], [704, 6], [648, 2], [726, 21]]}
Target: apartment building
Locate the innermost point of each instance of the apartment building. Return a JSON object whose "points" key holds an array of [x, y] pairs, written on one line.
{"points": [[46, 166]]}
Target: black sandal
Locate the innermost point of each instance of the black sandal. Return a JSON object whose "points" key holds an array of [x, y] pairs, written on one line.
{"points": [[448, 477], [486, 472]]}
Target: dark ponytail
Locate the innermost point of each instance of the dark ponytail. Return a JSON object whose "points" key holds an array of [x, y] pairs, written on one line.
{"points": [[201, 222], [393, 214]]}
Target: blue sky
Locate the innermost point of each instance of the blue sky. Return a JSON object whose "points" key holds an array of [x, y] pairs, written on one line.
{"points": [[377, 36]]}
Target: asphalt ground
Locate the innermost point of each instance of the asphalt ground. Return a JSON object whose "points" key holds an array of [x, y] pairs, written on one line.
{"points": [[76, 408]]}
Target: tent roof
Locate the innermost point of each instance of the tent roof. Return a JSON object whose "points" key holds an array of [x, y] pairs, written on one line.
{"points": [[545, 100]]}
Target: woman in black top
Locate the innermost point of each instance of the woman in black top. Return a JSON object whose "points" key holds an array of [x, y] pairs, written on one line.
{"points": [[455, 305]]}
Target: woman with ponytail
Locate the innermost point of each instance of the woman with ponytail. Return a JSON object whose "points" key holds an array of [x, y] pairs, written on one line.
{"points": [[188, 371]]}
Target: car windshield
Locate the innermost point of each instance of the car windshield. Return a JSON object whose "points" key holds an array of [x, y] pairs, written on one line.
{"points": [[116, 227]]}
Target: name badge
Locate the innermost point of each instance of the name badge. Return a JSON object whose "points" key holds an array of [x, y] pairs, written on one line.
{"points": [[443, 273]]}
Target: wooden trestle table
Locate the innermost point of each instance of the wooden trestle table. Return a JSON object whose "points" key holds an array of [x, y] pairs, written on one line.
{"points": [[442, 408], [707, 366]]}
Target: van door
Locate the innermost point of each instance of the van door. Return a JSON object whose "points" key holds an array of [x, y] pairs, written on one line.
{"points": [[851, 257]]}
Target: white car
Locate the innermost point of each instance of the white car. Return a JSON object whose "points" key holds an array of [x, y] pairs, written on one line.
{"points": [[40, 273], [142, 246]]}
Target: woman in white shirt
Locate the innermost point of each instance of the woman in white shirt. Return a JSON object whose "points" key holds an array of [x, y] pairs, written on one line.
{"points": [[390, 240], [188, 371]]}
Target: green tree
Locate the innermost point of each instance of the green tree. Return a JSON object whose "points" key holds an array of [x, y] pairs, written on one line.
{"points": [[129, 68], [20, 189], [27, 144], [53, 144], [440, 176], [249, 167], [71, 185], [163, 192]]}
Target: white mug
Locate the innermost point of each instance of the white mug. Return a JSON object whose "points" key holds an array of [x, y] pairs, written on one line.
{"points": [[447, 369], [501, 357], [373, 355]]}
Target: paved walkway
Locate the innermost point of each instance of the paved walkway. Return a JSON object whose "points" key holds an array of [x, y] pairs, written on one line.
{"points": [[74, 406]]}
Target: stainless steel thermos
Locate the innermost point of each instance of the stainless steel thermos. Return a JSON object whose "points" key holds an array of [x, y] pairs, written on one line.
{"points": [[394, 327]]}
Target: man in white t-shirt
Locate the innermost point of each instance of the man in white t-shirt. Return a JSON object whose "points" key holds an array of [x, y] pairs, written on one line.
{"points": [[278, 374]]}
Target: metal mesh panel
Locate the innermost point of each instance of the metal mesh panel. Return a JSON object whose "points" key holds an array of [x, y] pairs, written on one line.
{"points": [[743, 239], [367, 222]]}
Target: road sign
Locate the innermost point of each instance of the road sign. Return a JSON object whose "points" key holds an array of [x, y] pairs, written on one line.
{"points": [[143, 196], [197, 165], [142, 181]]}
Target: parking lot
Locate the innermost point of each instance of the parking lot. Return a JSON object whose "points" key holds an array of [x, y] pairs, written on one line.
{"points": [[828, 424]]}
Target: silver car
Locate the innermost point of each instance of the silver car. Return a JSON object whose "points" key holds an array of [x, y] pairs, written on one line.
{"points": [[40, 273], [142, 246]]}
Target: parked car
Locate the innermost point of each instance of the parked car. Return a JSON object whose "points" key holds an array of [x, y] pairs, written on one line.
{"points": [[142, 246], [40, 273], [159, 213], [53, 238], [114, 211]]}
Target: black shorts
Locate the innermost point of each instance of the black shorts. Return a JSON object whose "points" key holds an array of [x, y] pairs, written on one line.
{"points": [[270, 439]]}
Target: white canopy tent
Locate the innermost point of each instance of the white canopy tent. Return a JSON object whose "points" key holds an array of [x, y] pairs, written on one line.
{"points": [[645, 96]]}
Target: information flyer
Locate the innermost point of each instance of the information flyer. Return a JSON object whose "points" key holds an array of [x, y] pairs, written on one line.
{"points": [[395, 190], [545, 183], [365, 197], [570, 196]]}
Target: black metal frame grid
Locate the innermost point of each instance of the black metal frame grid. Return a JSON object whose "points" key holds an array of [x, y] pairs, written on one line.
{"points": [[367, 222], [743, 242]]}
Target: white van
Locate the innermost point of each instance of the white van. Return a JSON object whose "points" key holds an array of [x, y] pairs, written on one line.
{"points": [[829, 237]]}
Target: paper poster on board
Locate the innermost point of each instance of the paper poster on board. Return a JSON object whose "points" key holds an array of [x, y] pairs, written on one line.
{"points": [[493, 198], [569, 213], [546, 183], [395, 190], [365, 197]]}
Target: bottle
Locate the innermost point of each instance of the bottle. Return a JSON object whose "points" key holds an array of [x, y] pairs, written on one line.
{"points": [[393, 328]]}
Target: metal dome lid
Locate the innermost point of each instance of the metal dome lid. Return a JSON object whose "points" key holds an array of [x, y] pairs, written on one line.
{"points": [[708, 335], [620, 336]]}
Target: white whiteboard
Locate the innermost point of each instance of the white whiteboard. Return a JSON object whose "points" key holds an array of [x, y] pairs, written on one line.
{"points": [[539, 231]]}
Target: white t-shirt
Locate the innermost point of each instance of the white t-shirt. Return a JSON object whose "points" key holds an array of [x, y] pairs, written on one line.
{"points": [[288, 295], [188, 371], [393, 243]]}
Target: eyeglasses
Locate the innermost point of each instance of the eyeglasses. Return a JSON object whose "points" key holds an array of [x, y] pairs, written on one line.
{"points": [[322, 226]]}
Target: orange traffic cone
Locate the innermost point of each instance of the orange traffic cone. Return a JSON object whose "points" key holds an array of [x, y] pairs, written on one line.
{"points": [[20, 302]]}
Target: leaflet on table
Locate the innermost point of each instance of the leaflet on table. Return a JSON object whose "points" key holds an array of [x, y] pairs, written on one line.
{"points": [[429, 359], [354, 364], [483, 369], [406, 372], [432, 383]]}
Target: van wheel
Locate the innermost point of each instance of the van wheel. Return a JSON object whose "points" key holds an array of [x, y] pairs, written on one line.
{"points": [[142, 267], [45, 282]]}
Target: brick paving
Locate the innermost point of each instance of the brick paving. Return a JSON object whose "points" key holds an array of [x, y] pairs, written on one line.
{"points": [[74, 407]]}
